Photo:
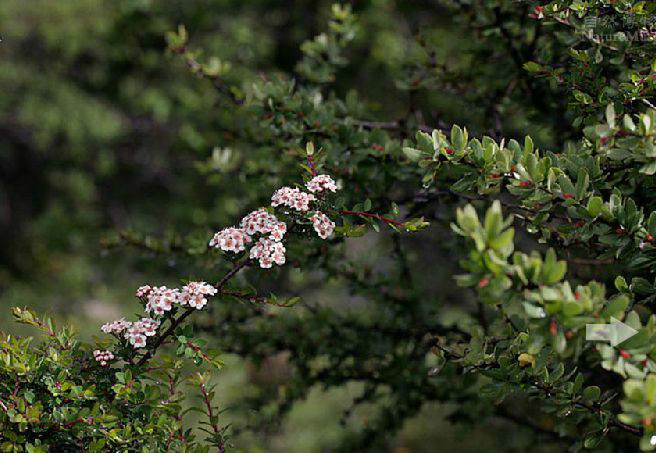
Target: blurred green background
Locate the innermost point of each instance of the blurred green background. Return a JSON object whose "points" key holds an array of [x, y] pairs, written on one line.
{"points": [[101, 130]]}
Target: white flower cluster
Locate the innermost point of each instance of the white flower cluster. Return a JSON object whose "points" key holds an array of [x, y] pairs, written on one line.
{"points": [[158, 301], [104, 357], [143, 292], [322, 224], [321, 183], [268, 249], [231, 240], [162, 299], [292, 197], [116, 327], [262, 222], [193, 294], [137, 333], [268, 252]]}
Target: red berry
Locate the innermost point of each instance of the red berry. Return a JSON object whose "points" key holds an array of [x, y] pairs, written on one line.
{"points": [[450, 151], [567, 196], [553, 328], [625, 354], [525, 184], [649, 238], [620, 230], [483, 282]]}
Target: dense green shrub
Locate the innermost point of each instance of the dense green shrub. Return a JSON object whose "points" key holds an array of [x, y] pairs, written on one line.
{"points": [[56, 395], [577, 76]]}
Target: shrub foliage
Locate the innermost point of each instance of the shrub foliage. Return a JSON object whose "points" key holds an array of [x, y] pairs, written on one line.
{"points": [[583, 209]]}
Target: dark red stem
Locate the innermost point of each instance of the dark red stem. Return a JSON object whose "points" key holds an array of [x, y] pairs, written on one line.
{"points": [[374, 216]]}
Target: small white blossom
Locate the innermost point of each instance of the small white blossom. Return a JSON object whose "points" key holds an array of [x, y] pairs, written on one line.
{"points": [[278, 231], [268, 252], [136, 335], [230, 240], [293, 198], [193, 293], [162, 300], [116, 327], [149, 326], [104, 357], [321, 183], [262, 222], [322, 224], [143, 292]]}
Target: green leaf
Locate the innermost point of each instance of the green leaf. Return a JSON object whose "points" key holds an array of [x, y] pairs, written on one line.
{"points": [[412, 154], [592, 393], [582, 183], [615, 307], [648, 168], [532, 66], [582, 97], [594, 206], [610, 115], [458, 138], [552, 270], [592, 440], [503, 243], [621, 284]]}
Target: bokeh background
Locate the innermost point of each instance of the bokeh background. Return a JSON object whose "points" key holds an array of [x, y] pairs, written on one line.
{"points": [[103, 130]]}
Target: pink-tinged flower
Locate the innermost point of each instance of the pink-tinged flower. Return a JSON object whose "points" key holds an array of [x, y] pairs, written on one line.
{"points": [[162, 300], [230, 240], [116, 327], [143, 292], [268, 252], [149, 326], [104, 357], [293, 198], [194, 294], [262, 222], [138, 341], [322, 224], [136, 335], [321, 183]]}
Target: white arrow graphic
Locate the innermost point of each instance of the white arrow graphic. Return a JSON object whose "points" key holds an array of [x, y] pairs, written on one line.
{"points": [[616, 332]]}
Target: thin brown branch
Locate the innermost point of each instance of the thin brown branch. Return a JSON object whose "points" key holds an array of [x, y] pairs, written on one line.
{"points": [[374, 216]]}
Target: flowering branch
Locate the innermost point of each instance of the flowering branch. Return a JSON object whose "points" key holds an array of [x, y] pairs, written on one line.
{"points": [[267, 250], [175, 323]]}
